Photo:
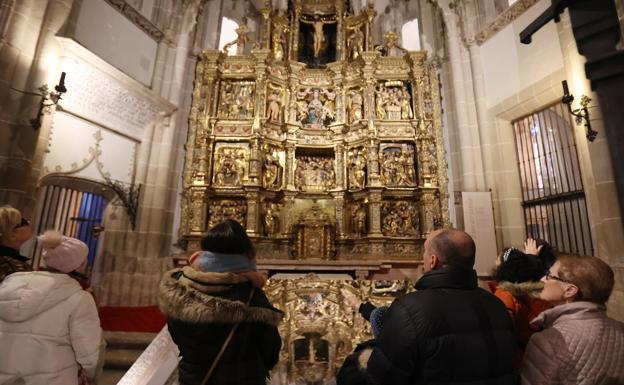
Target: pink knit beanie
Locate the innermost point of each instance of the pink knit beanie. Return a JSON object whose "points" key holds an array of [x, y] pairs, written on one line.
{"points": [[62, 253]]}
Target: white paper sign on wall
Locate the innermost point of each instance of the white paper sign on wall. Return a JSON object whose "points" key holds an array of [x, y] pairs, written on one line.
{"points": [[479, 223]]}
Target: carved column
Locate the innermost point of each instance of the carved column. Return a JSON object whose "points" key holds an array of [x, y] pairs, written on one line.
{"points": [[374, 179], [370, 43], [427, 212], [255, 164], [340, 167], [340, 214], [288, 217], [290, 166], [374, 213], [340, 33], [265, 41], [197, 211], [294, 34], [253, 212]]}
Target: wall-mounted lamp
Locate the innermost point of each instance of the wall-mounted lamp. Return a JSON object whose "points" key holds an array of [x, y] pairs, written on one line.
{"points": [[580, 114], [45, 94]]}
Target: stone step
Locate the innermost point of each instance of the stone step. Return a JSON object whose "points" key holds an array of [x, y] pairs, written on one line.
{"points": [[120, 358], [128, 340]]}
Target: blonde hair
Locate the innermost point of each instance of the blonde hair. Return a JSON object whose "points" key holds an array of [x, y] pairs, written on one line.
{"points": [[593, 277], [9, 218]]}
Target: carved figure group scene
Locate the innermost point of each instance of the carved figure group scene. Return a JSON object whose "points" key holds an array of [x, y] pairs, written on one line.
{"points": [[312, 109]]}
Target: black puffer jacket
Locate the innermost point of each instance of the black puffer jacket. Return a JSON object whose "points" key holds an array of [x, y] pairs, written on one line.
{"points": [[448, 332], [202, 309]]}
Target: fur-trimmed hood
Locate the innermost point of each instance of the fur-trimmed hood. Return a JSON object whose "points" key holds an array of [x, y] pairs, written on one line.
{"points": [[529, 288], [190, 295]]}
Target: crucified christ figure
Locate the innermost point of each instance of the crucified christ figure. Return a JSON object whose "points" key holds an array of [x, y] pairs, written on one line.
{"points": [[318, 36]]}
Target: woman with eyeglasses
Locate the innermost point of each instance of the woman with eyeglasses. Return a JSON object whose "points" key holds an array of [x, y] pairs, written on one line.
{"points": [[14, 231], [579, 344]]}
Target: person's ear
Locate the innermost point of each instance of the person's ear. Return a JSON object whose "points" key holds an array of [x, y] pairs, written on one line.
{"points": [[193, 258], [570, 292], [434, 262]]}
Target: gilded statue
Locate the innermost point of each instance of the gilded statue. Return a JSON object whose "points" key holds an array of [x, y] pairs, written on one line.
{"points": [[355, 41], [357, 169], [354, 106], [315, 107], [318, 36], [237, 100], [358, 220], [271, 219], [393, 103], [275, 101], [315, 173], [279, 42], [240, 41], [398, 169], [400, 219], [229, 169], [220, 210], [391, 45], [272, 174]]}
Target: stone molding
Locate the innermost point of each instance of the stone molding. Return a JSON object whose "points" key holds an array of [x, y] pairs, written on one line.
{"points": [[137, 19], [503, 20], [106, 96]]}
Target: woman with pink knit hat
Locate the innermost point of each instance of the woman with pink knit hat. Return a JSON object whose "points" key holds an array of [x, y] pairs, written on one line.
{"points": [[49, 326]]}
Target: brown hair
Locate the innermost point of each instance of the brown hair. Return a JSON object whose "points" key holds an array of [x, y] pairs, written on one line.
{"points": [[593, 277]]}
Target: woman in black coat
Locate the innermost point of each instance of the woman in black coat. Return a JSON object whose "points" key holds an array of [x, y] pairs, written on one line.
{"points": [[204, 302]]}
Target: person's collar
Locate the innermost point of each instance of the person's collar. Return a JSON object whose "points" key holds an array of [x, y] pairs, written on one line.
{"points": [[12, 253], [448, 278], [573, 310]]}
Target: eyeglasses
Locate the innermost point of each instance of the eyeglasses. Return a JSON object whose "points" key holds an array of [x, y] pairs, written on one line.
{"points": [[549, 276], [23, 222]]}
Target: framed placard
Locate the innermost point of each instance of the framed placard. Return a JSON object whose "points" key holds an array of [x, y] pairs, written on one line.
{"points": [[479, 223]]}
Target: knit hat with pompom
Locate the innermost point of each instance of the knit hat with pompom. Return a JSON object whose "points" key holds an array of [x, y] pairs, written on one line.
{"points": [[62, 253]]}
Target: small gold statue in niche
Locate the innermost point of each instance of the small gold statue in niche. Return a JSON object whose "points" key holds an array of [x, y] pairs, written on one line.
{"points": [[220, 210], [240, 41], [279, 42], [358, 219], [271, 219], [237, 100], [354, 105], [357, 168], [355, 41], [230, 166], [400, 219], [397, 164], [393, 101], [315, 107], [315, 173], [272, 170], [275, 104]]}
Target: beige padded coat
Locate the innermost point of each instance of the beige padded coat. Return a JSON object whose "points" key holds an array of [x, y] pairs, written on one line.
{"points": [[579, 345], [48, 326]]}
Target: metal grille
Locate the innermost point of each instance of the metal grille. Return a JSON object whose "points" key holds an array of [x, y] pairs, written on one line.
{"points": [[552, 187], [74, 213]]}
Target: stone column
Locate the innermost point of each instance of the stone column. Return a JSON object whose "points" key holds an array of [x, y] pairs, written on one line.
{"points": [[29, 47], [374, 213], [253, 212], [340, 214], [290, 167], [294, 34]]}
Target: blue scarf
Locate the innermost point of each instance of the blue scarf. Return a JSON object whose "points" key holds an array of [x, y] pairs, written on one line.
{"points": [[224, 263]]}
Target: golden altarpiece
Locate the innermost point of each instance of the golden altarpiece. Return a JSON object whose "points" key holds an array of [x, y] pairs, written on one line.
{"points": [[328, 148]]}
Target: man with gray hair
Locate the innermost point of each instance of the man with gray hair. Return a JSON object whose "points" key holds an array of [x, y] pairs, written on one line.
{"points": [[449, 331]]}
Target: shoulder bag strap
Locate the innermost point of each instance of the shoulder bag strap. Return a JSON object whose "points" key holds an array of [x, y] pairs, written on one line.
{"points": [[225, 345]]}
